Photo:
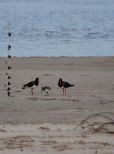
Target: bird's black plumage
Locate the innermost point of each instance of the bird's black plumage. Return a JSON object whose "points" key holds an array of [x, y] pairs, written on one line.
{"points": [[64, 85], [31, 84], [67, 85], [60, 83]]}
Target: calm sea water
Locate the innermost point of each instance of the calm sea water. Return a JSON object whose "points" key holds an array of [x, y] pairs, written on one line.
{"points": [[58, 27]]}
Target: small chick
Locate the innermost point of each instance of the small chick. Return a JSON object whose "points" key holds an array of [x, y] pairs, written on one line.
{"points": [[46, 89]]}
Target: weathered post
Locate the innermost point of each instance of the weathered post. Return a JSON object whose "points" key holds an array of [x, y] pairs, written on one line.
{"points": [[9, 63]]}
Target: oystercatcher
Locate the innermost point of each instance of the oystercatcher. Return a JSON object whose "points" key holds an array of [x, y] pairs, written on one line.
{"points": [[63, 84], [32, 85], [46, 89]]}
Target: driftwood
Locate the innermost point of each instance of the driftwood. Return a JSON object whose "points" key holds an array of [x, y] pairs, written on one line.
{"points": [[101, 127], [97, 126]]}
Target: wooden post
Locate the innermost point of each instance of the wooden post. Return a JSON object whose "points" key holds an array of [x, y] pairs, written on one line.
{"points": [[9, 62]]}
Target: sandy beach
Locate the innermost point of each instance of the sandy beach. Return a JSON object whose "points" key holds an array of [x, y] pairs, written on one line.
{"points": [[81, 122]]}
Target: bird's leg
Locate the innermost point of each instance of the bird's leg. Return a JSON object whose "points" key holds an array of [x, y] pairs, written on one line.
{"points": [[32, 91], [47, 93], [65, 92]]}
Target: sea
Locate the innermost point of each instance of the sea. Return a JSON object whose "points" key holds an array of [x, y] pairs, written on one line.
{"points": [[57, 27]]}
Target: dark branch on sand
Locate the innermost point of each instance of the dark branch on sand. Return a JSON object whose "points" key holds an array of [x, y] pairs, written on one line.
{"points": [[97, 126]]}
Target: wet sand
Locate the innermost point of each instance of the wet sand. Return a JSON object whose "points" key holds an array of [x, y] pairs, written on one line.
{"points": [[48, 124]]}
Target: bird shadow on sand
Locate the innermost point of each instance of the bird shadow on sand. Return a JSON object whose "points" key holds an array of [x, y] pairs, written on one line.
{"points": [[52, 99]]}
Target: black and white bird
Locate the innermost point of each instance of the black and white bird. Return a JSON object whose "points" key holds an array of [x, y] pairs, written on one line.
{"points": [[63, 84], [31, 85], [46, 89]]}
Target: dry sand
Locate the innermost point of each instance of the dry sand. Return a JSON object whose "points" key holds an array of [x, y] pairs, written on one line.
{"points": [[43, 124]]}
